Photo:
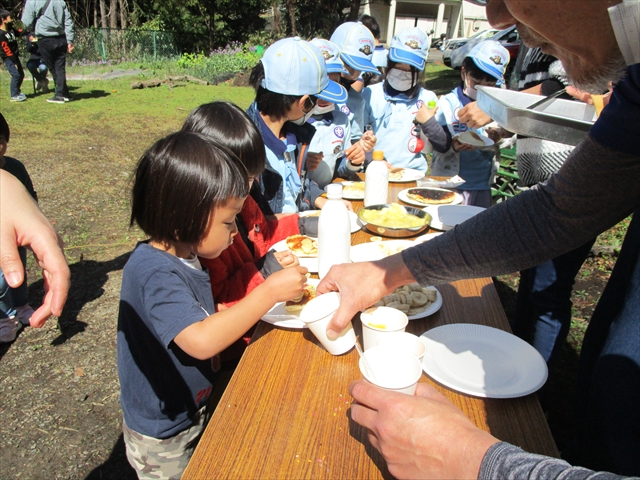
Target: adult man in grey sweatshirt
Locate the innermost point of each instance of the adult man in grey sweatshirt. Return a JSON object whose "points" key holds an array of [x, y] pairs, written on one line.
{"points": [[54, 31]]}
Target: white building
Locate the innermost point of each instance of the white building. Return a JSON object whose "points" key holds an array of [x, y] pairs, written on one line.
{"points": [[455, 18]]}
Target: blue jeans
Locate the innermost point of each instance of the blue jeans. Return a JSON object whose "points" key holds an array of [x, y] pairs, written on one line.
{"points": [[543, 308], [10, 298], [14, 67], [607, 404], [33, 65]]}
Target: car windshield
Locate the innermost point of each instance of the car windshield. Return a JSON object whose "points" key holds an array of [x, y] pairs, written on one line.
{"points": [[485, 33]]}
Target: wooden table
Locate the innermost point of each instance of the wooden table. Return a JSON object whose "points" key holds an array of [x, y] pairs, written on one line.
{"points": [[285, 412]]}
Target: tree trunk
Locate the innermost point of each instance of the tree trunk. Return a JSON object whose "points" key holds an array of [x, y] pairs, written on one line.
{"points": [[276, 17], [113, 14], [124, 11], [103, 14], [95, 13], [291, 7], [354, 12]]}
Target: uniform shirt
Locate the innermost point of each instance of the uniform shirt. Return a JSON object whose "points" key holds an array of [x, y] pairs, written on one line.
{"points": [[392, 123], [476, 166], [161, 387], [354, 110], [333, 129]]}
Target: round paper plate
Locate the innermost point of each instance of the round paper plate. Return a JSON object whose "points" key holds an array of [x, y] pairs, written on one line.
{"points": [[311, 263], [445, 217], [457, 199], [279, 316], [482, 361]]}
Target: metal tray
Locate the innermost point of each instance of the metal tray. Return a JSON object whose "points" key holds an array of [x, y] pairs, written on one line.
{"points": [[562, 121]]}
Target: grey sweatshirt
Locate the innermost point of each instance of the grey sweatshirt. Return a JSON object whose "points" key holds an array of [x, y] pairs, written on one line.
{"points": [[52, 22]]}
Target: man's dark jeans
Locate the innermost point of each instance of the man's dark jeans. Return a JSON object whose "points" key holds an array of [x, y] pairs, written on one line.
{"points": [[14, 67], [53, 51]]}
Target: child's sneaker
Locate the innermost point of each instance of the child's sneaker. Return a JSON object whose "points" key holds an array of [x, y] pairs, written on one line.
{"points": [[8, 329], [19, 98], [24, 313]]}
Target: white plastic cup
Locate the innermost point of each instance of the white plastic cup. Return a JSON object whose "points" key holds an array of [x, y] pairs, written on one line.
{"points": [[316, 315], [393, 369], [405, 341], [381, 321]]}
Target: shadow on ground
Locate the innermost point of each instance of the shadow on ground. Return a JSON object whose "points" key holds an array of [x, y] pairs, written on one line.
{"points": [[87, 279]]}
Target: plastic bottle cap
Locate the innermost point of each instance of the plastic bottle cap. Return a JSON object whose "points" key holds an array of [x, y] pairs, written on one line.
{"points": [[334, 190], [432, 104], [378, 155]]}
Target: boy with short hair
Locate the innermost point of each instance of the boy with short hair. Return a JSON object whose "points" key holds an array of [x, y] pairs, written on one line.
{"points": [[9, 53], [485, 65], [14, 309]]}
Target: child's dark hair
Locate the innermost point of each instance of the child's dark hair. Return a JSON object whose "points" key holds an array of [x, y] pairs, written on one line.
{"points": [[416, 78], [179, 181], [476, 72], [270, 103], [227, 124], [4, 14], [4, 128], [372, 24]]}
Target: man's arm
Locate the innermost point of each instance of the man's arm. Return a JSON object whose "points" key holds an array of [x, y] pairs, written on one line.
{"points": [[68, 28], [29, 15]]}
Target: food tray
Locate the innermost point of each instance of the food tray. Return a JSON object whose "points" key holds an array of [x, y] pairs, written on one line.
{"points": [[562, 121]]}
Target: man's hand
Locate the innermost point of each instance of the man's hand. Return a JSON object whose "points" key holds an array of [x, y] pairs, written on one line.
{"points": [[314, 160], [422, 435], [320, 201], [473, 117], [361, 285], [355, 154], [70, 47], [23, 224]]}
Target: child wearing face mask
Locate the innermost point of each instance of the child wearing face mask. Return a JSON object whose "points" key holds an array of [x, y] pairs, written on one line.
{"points": [[356, 44], [485, 65], [289, 80], [333, 129], [397, 109]]}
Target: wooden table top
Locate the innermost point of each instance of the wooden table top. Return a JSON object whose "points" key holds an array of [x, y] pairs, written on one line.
{"points": [[285, 412]]}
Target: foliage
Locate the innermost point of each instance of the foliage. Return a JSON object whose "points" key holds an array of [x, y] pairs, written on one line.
{"points": [[220, 63]]}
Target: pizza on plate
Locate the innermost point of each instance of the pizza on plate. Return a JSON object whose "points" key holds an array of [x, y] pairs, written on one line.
{"points": [[431, 197], [396, 173], [353, 190], [297, 304], [302, 245]]}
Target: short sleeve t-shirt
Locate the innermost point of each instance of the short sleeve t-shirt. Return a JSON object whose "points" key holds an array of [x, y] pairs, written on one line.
{"points": [[161, 386]]}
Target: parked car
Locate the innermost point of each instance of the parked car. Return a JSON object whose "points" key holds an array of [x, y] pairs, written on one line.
{"points": [[508, 38], [456, 43]]}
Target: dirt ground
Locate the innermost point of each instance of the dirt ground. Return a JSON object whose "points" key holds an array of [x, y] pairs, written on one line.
{"points": [[59, 390]]}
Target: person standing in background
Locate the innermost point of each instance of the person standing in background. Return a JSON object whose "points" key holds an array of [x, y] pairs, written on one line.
{"points": [[9, 53], [51, 22]]}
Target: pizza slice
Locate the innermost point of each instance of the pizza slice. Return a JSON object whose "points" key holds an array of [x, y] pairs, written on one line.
{"points": [[302, 245], [431, 196], [297, 304]]}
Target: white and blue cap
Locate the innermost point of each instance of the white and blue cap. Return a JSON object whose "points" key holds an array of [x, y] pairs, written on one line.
{"points": [[410, 46], [356, 45], [492, 58], [331, 54], [296, 67]]}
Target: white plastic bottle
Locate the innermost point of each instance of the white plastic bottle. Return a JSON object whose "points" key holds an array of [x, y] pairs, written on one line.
{"points": [[376, 180], [334, 231]]}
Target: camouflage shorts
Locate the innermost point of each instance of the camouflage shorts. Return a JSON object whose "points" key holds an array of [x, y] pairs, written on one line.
{"points": [[154, 458]]}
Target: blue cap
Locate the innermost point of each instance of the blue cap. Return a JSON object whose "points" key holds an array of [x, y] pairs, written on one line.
{"points": [[331, 54], [410, 46], [296, 67], [356, 45], [492, 58]]}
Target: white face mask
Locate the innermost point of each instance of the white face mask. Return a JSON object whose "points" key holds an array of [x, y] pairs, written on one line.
{"points": [[470, 92], [302, 120], [400, 80], [318, 110]]}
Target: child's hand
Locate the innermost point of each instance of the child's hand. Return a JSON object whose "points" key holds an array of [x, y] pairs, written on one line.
{"points": [[286, 284], [473, 117], [425, 113], [368, 141], [355, 154], [314, 160], [320, 201], [287, 259]]}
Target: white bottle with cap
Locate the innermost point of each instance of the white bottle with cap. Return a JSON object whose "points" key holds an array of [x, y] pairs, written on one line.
{"points": [[334, 231], [376, 180]]}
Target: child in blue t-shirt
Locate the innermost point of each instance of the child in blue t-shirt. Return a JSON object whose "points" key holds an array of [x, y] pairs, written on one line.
{"points": [[397, 109], [186, 194], [485, 65]]}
